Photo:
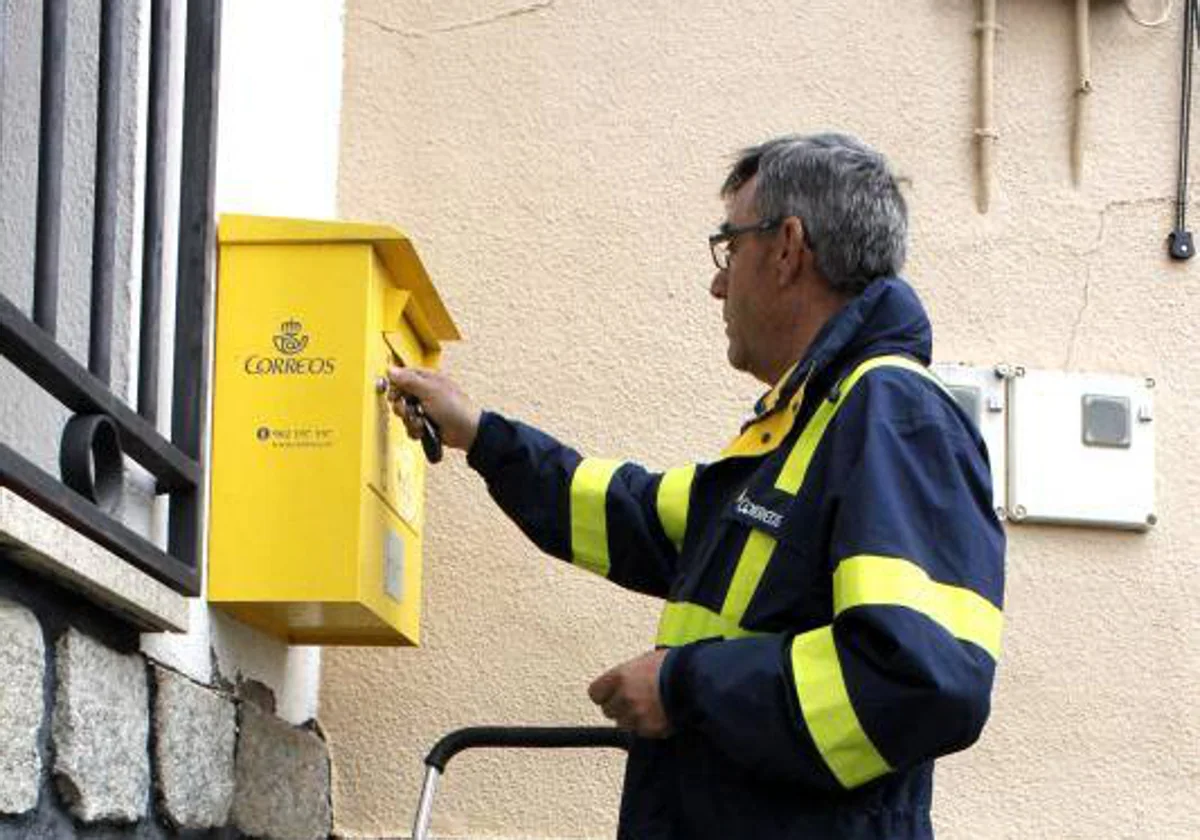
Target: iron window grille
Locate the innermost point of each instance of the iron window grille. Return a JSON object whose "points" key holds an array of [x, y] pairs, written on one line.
{"points": [[104, 429]]}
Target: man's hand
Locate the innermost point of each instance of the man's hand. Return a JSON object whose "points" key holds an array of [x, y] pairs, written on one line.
{"points": [[628, 694], [442, 401]]}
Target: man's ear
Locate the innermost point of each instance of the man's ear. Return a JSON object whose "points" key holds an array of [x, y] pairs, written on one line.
{"points": [[793, 249]]}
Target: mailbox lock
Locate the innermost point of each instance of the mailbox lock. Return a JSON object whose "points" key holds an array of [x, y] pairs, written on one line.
{"points": [[431, 435]]}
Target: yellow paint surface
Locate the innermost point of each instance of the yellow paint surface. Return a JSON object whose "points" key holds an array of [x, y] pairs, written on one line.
{"points": [[315, 529]]}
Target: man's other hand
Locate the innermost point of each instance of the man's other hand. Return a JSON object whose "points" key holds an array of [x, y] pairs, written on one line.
{"points": [[628, 694], [442, 401]]}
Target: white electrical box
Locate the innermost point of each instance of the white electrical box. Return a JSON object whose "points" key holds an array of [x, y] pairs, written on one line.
{"points": [[981, 393], [1081, 449]]}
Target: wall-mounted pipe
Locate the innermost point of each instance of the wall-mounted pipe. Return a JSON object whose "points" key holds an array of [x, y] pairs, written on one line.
{"points": [[1083, 90], [1179, 242], [985, 133]]}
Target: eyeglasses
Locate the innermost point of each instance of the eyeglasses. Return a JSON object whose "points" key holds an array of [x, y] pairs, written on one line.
{"points": [[720, 243]]}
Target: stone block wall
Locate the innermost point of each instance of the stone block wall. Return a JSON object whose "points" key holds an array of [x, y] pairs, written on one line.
{"points": [[96, 740]]}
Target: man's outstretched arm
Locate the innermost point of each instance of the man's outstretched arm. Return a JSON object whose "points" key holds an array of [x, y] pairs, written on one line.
{"points": [[612, 518]]}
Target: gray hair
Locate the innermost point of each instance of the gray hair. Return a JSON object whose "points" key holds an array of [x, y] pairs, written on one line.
{"points": [[855, 218]]}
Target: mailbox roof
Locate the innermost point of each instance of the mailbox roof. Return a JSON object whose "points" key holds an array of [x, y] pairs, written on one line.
{"points": [[393, 246]]}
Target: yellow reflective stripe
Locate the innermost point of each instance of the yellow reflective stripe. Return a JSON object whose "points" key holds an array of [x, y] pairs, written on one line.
{"points": [[873, 580], [682, 623], [674, 492], [750, 567], [589, 525], [791, 477], [828, 713]]}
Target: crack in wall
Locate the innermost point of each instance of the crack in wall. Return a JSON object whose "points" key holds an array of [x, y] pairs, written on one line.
{"points": [[1097, 245], [1074, 340], [418, 34], [1113, 205]]}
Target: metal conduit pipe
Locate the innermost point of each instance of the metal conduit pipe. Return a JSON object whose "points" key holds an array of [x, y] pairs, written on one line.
{"points": [[1179, 243], [985, 133], [1083, 91]]}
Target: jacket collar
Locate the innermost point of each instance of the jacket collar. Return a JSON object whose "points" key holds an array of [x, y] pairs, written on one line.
{"points": [[886, 318]]}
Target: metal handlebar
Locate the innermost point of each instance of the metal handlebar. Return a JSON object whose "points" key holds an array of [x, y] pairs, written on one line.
{"points": [[513, 737]]}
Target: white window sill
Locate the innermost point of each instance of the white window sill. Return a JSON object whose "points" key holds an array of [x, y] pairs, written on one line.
{"points": [[49, 547]]}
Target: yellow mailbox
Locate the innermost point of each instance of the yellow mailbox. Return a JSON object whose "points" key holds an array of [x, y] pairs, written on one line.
{"points": [[317, 493]]}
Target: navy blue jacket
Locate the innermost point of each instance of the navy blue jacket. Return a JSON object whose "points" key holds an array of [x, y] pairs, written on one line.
{"points": [[833, 586]]}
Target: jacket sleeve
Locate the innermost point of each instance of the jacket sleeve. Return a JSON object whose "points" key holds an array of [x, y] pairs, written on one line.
{"points": [[903, 671], [612, 518]]}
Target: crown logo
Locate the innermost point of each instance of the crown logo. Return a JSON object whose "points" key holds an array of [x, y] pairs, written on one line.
{"points": [[290, 340]]}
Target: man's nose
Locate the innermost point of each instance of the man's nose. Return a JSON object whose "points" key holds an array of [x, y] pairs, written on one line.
{"points": [[718, 285]]}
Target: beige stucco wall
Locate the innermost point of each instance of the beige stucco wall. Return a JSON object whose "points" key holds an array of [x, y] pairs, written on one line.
{"points": [[557, 163]]}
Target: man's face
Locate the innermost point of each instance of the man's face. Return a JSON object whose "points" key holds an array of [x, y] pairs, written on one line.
{"points": [[744, 288]]}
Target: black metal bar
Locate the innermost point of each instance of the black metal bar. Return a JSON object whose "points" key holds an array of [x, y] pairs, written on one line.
{"points": [[43, 361], [1179, 242], [526, 737], [50, 163], [104, 230], [155, 208], [1185, 121], [68, 506], [196, 249]]}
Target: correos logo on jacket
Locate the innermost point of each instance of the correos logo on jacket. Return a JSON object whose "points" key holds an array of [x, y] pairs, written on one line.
{"points": [[757, 512]]}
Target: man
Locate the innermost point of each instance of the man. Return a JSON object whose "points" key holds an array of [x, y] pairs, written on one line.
{"points": [[834, 579]]}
